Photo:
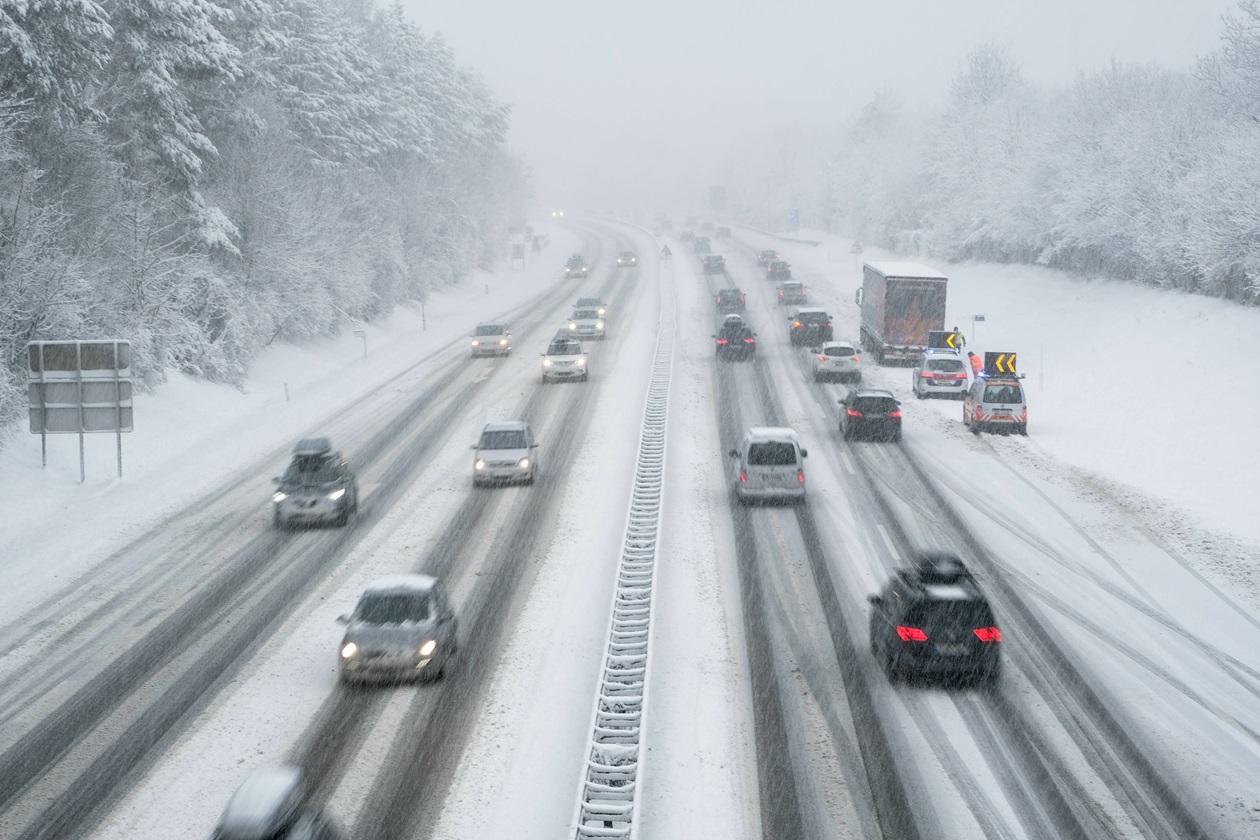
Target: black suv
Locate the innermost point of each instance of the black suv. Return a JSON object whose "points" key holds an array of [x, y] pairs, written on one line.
{"points": [[715, 264], [318, 486], [932, 619], [730, 300], [810, 326], [701, 245], [734, 340], [778, 270], [871, 414]]}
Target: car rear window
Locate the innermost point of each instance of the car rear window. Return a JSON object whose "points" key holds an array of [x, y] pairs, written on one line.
{"points": [[774, 453], [393, 607], [875, 405], [564, 348], [951, 614], [490, 329], [945, 365], [1003, 394], [839, 351], [504, 439], [813, 317]]}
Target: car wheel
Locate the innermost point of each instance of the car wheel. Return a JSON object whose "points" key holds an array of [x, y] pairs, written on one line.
{"points": [[1023, 429], [896, 438], [818, 377], [919, 394], [585, 377], [344, 517], [846, 432]]}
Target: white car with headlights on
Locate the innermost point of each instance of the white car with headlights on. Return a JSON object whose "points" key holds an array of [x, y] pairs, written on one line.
{"points": [[587, 323], [505, 453], [491, 339], [564, 359], [403, 628]]}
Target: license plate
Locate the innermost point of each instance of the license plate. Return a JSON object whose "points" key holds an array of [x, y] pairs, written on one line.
{"points": [[954, 649]]}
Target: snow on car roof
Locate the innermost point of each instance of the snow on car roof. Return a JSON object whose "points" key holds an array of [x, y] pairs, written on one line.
{"points": [[947, 592], [505, 426], [420, 583], [905, 269], [771, 433]]}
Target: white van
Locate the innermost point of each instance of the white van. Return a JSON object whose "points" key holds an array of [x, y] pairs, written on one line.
{"points": [[770, 466]]}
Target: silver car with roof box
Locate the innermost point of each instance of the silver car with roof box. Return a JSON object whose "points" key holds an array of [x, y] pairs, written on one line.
{"points": [[318, 486], [271, 805], [403, 628]]}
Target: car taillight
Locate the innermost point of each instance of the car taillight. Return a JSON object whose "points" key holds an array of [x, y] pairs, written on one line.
{"points": [[911, 634], [857, 358], [822, 358], [853, 412], [721, 341], [988, 634], [927, 375], [1023, 415], [780, 293], [895, 413], [743, 476], [795, 324], [959, 376], [800, 475], [741, 298], [750, 340]]}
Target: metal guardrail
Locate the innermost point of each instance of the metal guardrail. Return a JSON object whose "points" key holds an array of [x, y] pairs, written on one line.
{"points": [[607, 804]]}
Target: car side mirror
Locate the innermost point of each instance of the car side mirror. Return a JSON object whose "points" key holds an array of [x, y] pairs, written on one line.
{"points": [[734, 453], [275, 479], [474, 446], [343, 619], [875, 599], [533, 446], [804, 454]]}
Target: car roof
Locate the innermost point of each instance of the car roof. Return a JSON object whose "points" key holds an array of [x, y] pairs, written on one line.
{"points": [[1001, 380], [848, 344], [730, 289], [588, 301], [772, 433], [313, 446], [811, 310], [506, 426], [262, 804], [491, 324], [401, 583], [872, 392]]}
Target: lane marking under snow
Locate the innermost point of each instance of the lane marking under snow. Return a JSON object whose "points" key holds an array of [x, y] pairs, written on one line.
{"points": [[888, 542]]}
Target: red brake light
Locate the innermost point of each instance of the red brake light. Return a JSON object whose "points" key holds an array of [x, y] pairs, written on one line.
{"points": [[721, 341], [822, 358], [895, 413], [743, 476], [857, 358], [911, 634], [853, 412], [800, 475], [750, 340], [988, 634]]}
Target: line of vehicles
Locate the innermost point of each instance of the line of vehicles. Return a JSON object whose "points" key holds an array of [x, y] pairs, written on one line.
{"points": [[577, 266], [931, 618]]}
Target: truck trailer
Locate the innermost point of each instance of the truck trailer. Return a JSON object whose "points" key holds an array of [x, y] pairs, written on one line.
{"points": [[901, 303]]}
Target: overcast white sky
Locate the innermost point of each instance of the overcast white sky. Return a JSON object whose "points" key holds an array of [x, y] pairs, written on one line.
{"points": [[610, 101]]}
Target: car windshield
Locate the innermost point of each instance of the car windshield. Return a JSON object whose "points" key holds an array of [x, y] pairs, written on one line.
{"points": [[392, 607], [839, 351], [585, 302], [489, 329], [773, 453], [1003, 394], [945, 365], [312, 470], [585, 314], [502, 439], [875, 405], [564, 348]]}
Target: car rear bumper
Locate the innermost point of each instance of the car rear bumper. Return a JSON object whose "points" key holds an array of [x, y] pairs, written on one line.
{"points": [[875, 429]]}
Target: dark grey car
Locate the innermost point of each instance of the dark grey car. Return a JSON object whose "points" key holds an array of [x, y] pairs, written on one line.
{"points": [[317, 487], [403, 628]]}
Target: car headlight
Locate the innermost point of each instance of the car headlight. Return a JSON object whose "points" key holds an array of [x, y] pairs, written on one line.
{"points": [[599, 325], [523, 463], [572, 325], [503, 341], [475, 342], [336, 494], [348, 650], [581, 362], [566, 268], [428, 647], [601, 313], [480, 464], [278, 496], [546, 362]]}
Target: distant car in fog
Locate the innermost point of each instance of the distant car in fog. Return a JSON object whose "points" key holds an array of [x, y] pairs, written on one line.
{"points": [[730, 300], [715, 264], [627, 259], [707, 227], [557, 214], [764, 258], [701, 245], [778, 270], [576, 266], [932, 619], [723, 231], [403, 628], [687, 236], [592, 302], [491, 339], [318, 486], [791, 292], [564, 359]]}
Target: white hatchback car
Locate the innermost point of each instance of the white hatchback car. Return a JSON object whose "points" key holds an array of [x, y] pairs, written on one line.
{"points": [[940, 372], [770, 466], [564, 359], [505, 453], [837, 360], [491, 339]]}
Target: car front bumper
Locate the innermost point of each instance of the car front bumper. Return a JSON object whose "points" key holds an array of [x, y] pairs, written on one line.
{"points": [[314, 509]]}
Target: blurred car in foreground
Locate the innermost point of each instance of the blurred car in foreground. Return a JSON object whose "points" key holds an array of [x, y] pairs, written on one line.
{"points": [[505, 453], [271, 805], [871, 414], [837, 360], [318, 486], [932, 619], [403, 628]]}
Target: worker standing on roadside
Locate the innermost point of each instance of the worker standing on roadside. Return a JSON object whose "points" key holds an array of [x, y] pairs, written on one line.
{"points": [[959, 341], [977, 366]]}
